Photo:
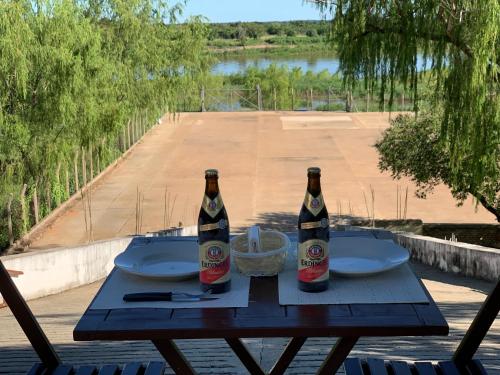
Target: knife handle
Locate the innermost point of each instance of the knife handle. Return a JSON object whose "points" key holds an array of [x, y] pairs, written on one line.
{"points": [[146, 297]]}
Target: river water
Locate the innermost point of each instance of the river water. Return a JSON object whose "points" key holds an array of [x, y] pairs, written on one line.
{"points": [[240, 64], [313, 63]]}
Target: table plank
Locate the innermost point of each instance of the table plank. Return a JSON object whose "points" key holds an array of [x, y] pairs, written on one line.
{"points": [[264, 317]]}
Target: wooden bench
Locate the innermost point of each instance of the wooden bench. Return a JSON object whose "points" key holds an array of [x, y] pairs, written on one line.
{"points": [[50, 362], [462, 362]]}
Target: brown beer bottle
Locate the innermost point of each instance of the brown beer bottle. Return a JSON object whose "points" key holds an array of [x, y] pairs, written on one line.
{"points": [[314, 235], [213, 238]]}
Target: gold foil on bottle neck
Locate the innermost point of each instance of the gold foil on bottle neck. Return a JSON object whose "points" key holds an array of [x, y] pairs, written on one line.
{"points": [[314, 205], [212, 206]]}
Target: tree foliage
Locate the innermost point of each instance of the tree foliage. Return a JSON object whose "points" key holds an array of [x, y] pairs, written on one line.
{"points": [[74, 72], [256, 30], [291, 88], [381, 41], [411, 147]]}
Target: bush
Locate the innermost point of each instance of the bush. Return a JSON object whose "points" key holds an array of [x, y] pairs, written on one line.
{"points": [[274, 29]]}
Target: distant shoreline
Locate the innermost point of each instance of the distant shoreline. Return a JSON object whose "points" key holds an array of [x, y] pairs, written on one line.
{"points": [[251, 38], [263, 50]]}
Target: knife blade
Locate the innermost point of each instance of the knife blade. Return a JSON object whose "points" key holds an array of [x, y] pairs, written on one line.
{"points": [[166, 296]]}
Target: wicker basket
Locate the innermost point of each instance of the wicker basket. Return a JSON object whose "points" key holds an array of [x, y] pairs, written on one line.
{"points": [[268, 262]]}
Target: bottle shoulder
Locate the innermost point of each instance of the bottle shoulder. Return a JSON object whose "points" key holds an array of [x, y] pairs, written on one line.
{"points": [[322, 231], [219, 234], [305, 215]]}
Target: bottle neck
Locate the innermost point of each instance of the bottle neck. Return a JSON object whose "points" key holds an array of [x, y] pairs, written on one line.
{"points": [[314, 185], [211, 187]]}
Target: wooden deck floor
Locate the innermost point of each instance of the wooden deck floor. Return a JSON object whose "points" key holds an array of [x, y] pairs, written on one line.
{"points": [[459, 299]]}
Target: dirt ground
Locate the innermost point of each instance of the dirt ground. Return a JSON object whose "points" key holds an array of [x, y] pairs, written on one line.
{"points": [[262, 158]]}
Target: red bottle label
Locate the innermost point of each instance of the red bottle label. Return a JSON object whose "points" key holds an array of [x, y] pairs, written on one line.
{"points": [[214, 262], [313, 261]]}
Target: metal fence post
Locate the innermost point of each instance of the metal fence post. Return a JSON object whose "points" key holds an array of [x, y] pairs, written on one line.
{"points": [[259, 98], [35, 203], [9, 220], [274, 98], [24, 214], [203, 99], [348, 101]]}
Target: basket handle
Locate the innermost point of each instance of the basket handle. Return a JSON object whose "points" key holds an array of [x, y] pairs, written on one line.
{"points": [[254, 239]]}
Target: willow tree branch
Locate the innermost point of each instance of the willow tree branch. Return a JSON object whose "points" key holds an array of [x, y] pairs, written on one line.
{"points": [[488, 206], [376, 29]]}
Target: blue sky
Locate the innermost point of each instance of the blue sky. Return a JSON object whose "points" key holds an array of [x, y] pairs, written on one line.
{"points": [[251, 10]]}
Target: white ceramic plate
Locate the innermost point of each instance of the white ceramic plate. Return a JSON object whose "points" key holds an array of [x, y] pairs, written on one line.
{"points": [[354, 256], [156, 262]]}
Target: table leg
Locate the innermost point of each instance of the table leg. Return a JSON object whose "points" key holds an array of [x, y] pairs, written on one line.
{"points": [[288, 355], [174, 357], [337, 355], [245, 357]]}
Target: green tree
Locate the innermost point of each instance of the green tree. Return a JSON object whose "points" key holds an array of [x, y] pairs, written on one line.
{"points": [[74, 73], [241, 35], [274, 29], [411, 147], [383, 43], [311, 33]]}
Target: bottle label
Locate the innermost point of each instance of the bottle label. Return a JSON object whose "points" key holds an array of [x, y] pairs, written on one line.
{"points": [[212, 206], [314, 205], [221, 224], [214, 262], [323, 223], [313, 261]]}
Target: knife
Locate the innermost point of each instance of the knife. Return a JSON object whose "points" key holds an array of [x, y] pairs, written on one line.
{"points": [[167, 296]]}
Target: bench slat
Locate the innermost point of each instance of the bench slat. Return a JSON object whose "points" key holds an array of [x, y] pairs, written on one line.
{"points": [[448, 368], [86, 370], [376, 366], [63, 370], [353, 366], [133, 368], [155, 368], [109, 370], [425, 368], [400, 368], [476, 367], [36, 369]]}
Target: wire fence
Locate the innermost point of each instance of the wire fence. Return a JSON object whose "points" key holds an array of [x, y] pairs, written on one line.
{"points": [[234, 99]]}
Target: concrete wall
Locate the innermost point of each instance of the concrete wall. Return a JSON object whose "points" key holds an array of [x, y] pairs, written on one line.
{"points": [[480, 234], [47, 272], [53, 271], [457, 257]]}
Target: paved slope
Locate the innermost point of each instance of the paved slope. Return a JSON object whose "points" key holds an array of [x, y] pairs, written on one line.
{"points": [[262, 158]]}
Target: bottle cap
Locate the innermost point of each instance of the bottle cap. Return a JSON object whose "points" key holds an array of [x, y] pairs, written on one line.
{"points": [[314, 170], [211, 173]]}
